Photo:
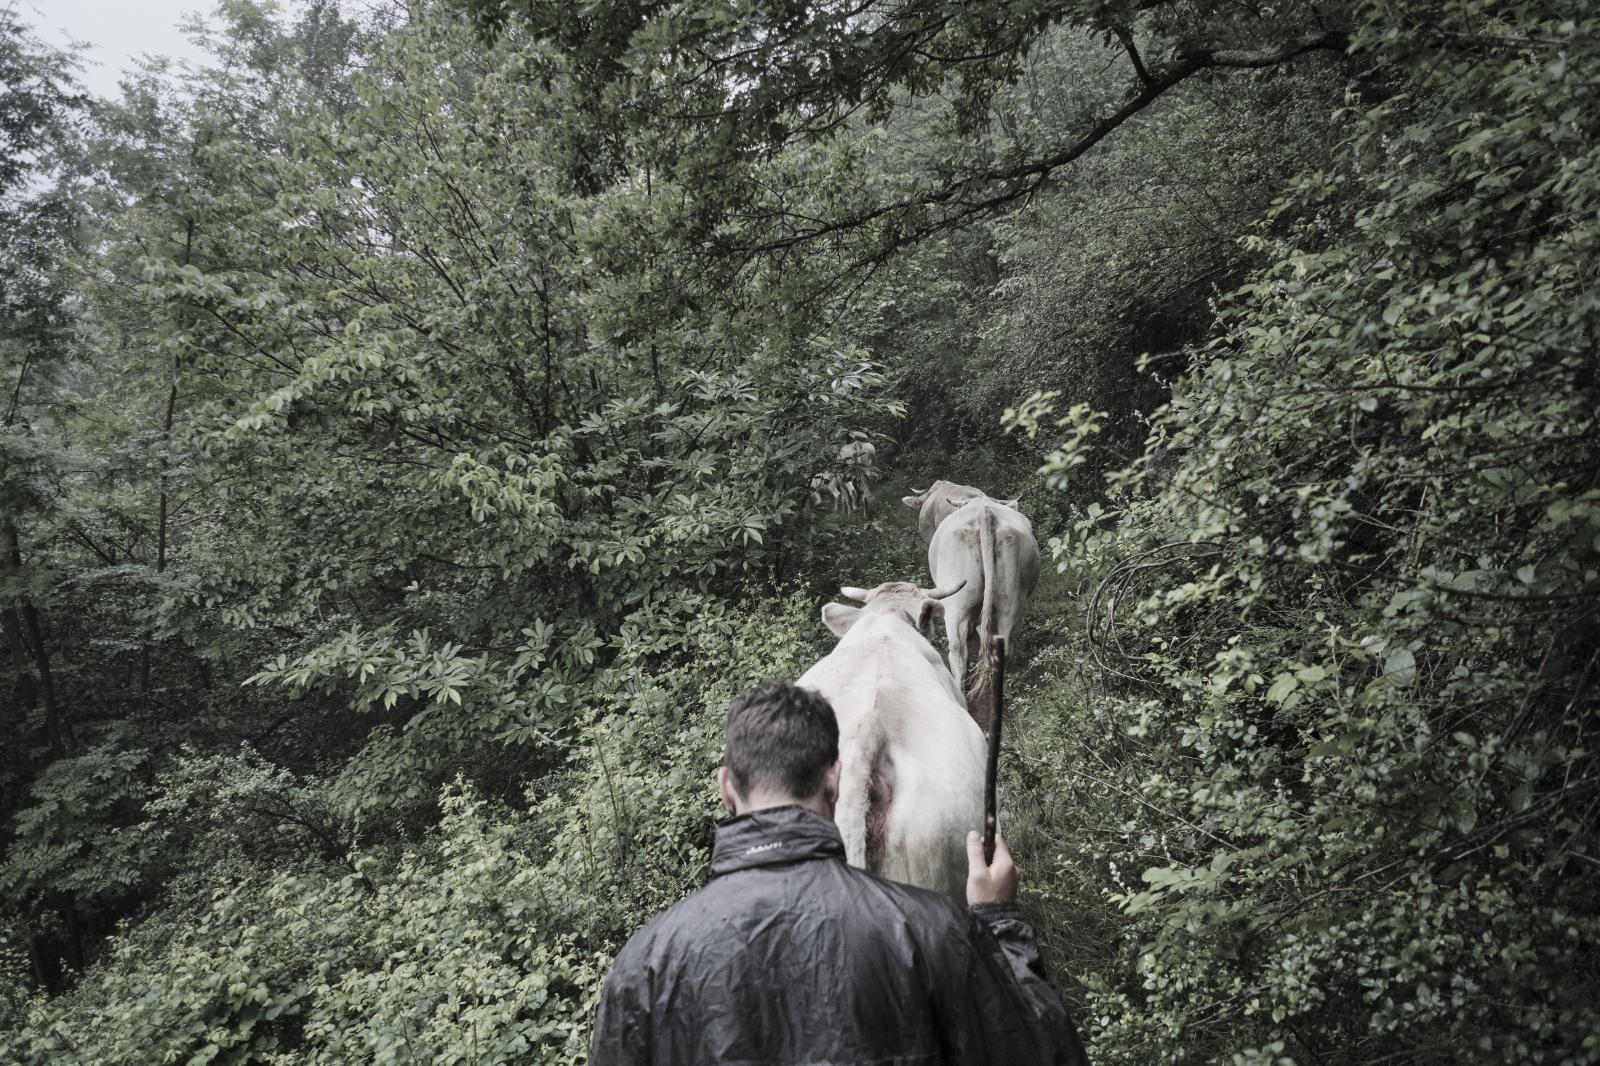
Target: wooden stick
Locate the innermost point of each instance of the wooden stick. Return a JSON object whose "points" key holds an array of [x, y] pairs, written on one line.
{"points": [[997, 679]]}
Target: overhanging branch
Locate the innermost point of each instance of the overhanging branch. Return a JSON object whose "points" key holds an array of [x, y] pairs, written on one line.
{"points": [[1126, 38], [1025, 179]]}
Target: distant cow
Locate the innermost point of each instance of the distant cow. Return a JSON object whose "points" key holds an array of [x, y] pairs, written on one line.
{"points": [[850, 485], [825, 489], [911, 759], [987, 548], [939, 500], [859, 458]]}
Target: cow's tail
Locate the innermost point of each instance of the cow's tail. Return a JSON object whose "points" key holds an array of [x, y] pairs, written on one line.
{"points": [[853, 807], [978, 695], [865, 793]]}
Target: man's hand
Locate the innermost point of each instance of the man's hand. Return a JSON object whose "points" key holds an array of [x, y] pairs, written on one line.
{"points": [[986, 882]]}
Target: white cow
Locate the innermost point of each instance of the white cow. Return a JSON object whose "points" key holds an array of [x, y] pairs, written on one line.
{"points": [[939, 500], [851, 485], [986, 547], [911, 758], [859, 458], [825, 489]]}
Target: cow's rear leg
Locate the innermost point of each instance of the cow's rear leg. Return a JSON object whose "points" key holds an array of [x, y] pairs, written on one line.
{"points": [[979, 691], [961, 642]]}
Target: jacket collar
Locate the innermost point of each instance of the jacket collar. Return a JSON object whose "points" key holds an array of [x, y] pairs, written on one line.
{"points": [[771, 836]]}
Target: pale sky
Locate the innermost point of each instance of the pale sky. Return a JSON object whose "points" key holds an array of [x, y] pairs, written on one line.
{"points": [[120, 31]]}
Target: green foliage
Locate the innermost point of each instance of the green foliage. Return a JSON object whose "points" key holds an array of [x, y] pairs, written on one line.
{"points": [[408, 462], [77, 840], [426, 451], [38, 216], [1352, 636], [484, 941], [1130, 255], [485, 457]]}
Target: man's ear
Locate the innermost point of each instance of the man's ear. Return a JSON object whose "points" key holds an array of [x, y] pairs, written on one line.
{"points": [[730, 798], [839, 618], [830, 785]]}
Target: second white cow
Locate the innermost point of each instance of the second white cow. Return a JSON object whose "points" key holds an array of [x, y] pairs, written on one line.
{"points": [[988, 549], [939, 501], [911, 758]]}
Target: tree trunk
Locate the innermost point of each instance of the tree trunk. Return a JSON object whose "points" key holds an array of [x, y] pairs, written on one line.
{"points": [[26, 619], [24, 700], [43, 966], [161, 527], [161, 479], [67, 905]]}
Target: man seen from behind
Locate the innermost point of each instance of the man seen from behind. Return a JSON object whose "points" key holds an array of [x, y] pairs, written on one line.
{"points": [[791, 956]]}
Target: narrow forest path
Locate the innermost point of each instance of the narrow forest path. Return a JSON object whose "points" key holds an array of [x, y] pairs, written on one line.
{"points": [[1056, 797]]}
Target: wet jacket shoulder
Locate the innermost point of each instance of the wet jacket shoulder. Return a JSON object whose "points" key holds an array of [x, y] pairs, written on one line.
{"points": [[789, 955]]}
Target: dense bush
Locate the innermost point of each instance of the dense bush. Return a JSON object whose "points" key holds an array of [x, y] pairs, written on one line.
{"points": [[1350, 645], [481, 941]]}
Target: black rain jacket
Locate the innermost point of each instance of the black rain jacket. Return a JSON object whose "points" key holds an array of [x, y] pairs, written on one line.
{"points": [[790, 956]]}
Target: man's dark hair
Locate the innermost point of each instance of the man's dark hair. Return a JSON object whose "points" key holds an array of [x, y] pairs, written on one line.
{"points": [[780, 736]]}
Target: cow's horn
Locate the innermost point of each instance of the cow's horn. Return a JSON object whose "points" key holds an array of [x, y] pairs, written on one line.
{"points": [[853, 593], [941, 593]]}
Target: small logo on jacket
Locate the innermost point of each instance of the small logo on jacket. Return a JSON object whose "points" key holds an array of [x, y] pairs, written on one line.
{"points": [[763, 847]]}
